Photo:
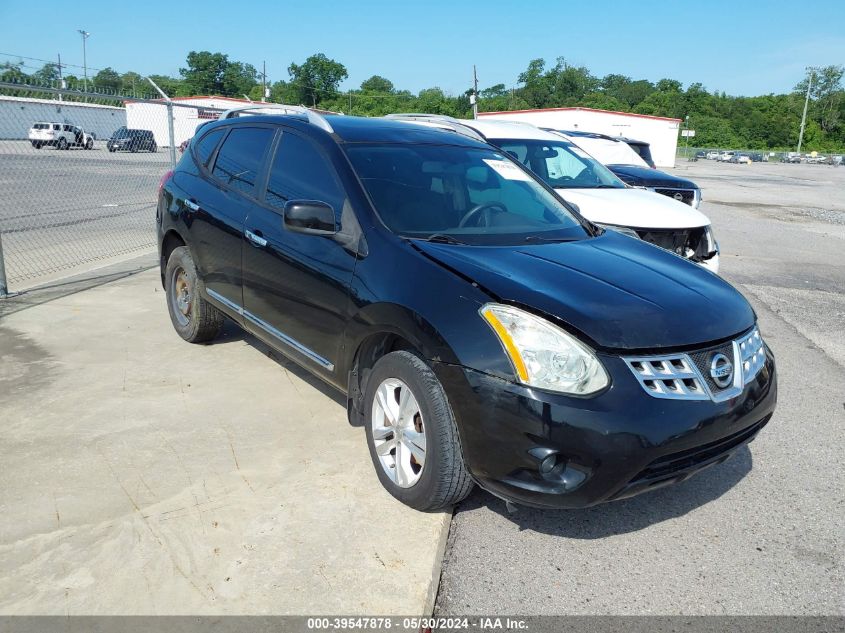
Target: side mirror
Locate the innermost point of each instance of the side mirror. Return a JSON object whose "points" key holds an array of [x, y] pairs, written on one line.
{"points": [[311, 217]]}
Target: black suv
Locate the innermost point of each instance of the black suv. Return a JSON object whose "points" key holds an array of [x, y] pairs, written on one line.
{"points": [[480, 328], [132, 140], [680, 189]]}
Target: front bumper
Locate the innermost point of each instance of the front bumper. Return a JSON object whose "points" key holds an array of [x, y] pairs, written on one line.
{"points": [[615, 445]]}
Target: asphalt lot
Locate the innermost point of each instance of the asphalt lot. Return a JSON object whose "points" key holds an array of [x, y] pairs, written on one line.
{"points": [[64, 212], [762, 533]]}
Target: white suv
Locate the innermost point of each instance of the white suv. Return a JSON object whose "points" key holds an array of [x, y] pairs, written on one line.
{"points": [[59, 135], [600, 196]]}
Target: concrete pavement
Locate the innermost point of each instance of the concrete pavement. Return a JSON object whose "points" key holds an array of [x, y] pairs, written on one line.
{"points": [[144, 475]]}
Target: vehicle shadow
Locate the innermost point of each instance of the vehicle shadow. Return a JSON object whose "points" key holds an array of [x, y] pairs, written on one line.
{"points": [[233, 333], [627, 515]]}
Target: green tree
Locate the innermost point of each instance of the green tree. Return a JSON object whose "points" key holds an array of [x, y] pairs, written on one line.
{"points": [[377, 84], [106, 80], [47, 75], [317, 78], [204, 72]]}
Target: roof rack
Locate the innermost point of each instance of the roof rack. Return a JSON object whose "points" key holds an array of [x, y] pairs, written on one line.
{"points": [[440, 121], [312, 117]]}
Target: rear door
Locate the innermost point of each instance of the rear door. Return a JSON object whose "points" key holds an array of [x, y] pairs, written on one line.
{"points": [[296, 286], [219, 201]]}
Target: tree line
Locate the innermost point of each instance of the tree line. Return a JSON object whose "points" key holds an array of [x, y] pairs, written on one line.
{"points": [[767, 122]]}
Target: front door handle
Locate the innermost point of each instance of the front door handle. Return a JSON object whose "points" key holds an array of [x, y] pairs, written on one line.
{"points": [[255, 238], [193, 206]]}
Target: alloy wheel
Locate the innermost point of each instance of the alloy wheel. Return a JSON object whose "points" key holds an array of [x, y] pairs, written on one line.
{"points": [[398, 432]]}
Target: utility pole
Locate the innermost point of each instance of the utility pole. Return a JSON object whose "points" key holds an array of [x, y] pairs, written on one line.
{"points": [[61, 81], [804, 116], [474, 99], [85, 35], [264, 81]]}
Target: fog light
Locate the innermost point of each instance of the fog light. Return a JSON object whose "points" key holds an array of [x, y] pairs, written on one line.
{"points": [[548, 464]]}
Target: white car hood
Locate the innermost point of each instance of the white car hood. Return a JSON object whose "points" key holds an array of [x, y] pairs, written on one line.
{"points": [[637, 208]]}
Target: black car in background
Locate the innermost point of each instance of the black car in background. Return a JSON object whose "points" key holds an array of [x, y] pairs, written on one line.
{"points": [[132, 140], [480, 329]]}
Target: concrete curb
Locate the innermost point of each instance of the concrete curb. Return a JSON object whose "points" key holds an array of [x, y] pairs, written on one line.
{"points": [[434, 583]]}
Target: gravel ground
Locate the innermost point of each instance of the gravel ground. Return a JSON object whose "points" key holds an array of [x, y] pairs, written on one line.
{"points": [[760, 534]]}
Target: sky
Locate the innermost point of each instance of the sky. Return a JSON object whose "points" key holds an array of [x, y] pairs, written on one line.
{"points": [[748, 48]]}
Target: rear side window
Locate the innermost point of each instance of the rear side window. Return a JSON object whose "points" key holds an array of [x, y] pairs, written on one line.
{"points": [[301, 172], [240, 157], [205, 148], [57, 127]]}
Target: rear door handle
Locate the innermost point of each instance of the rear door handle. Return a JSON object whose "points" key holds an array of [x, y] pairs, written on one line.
{"points": [[255, 238], [193, 206]]}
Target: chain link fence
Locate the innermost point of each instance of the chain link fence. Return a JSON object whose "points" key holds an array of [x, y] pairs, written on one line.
{"points": [[79, 180]]}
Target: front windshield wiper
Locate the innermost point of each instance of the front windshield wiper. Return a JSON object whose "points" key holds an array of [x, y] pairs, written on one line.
{"points": [[441, 238], [540, 238]]}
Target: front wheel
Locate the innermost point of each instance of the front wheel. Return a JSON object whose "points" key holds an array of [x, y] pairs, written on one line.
{"points": [[89, 144], [62, 144], [412, 434], [194, 319], [153, 148]]}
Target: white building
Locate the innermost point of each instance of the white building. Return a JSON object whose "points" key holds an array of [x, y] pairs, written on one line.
{"points": [[17, 114], [660, 132], [188, 113]]}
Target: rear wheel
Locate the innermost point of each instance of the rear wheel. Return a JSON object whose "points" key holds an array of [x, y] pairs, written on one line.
{"points": [[412, 435], [195, 320], [36, 144], [62, 144], [153, 147], [89, 144]]}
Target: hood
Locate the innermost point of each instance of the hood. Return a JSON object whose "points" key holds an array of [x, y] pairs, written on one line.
{"points": [[634, 207], [620, 292], [645, 177]]}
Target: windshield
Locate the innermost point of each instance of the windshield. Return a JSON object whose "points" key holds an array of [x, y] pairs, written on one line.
{"points": [[560, 164], [121, 132], [460, 195]]}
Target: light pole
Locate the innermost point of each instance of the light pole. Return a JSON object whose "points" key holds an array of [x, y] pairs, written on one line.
{"points": [[85, 35], [806, 103]]}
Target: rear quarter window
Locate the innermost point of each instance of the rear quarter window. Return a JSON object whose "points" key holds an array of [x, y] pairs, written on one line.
{"points": [[206, 145]]}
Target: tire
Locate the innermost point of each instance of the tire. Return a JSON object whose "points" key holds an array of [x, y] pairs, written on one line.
{"points": [[89, 144], [153, 148], [193, 318], [112, 150], [133, 148], [36, 144], [442, 480], [62, 143]]}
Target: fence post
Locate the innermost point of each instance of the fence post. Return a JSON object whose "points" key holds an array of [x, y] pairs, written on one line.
{"points": [[4, 288], [171, 134]]}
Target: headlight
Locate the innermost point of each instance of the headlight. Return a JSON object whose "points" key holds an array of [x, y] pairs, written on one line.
{"points": [[696, 198], [624, 230], [543, 355], [712, 244]]}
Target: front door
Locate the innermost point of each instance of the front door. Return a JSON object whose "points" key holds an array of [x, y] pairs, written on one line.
{"points": [[296, 286]]}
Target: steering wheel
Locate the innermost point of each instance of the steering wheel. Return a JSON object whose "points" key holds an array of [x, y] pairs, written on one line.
{"points": [[481, 208]]}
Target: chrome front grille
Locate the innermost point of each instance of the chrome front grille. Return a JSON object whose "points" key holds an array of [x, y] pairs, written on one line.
{"points": [[687, 376]]}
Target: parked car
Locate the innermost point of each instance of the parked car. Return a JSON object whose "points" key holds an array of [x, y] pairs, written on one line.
{"points": [[741, 159], [757, 157], [791, 157], [598, 193], [480, 328], [59, 135], [701, 154], [631, 169], [724, 157], [132, 140], [713, 155]]}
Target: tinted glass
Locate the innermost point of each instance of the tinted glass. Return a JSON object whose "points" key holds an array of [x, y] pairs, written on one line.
{"points": [[205, 147], [561, 164], [41, 126], [301, 172], [240, 157], [476, 196]]}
